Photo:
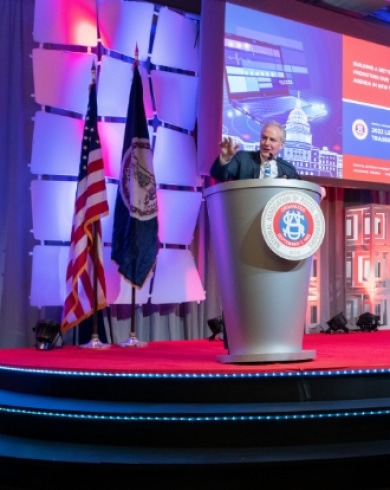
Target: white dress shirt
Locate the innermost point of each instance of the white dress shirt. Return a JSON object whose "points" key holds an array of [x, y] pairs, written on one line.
{"points": [[272, 167]]}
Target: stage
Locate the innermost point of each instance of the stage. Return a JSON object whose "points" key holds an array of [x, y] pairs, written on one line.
{"points": [[172, 411]]}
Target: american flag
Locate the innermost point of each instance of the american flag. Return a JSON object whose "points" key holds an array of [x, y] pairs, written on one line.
{"points": [[85, 280]]}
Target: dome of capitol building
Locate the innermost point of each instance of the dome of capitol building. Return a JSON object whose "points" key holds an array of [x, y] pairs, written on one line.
{"points": [[298, 127]]}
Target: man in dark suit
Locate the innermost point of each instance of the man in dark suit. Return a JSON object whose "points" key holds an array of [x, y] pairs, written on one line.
{"points": [[235, 164]]}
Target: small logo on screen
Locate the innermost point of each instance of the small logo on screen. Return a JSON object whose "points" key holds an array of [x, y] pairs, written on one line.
{"points": [[293, 225], [360, 129]]}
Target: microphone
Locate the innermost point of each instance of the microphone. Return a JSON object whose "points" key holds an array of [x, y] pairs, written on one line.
{"points": [[267, 166]]}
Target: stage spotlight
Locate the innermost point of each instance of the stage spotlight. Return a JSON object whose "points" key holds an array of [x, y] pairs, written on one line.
{"points": [[336, 323], [368, 322], [47, 334], [216, 326]]}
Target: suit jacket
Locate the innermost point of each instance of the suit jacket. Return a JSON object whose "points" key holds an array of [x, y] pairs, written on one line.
{"points": [[246, 165]]}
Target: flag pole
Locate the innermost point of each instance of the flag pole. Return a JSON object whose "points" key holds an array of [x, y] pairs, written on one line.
{"points": [[132, 324], [85, 282], [132, 341], [135, 240], [95, 342]]}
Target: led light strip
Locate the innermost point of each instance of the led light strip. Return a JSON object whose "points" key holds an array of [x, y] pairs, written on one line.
{"points": [[301, 374], [207, 418]]}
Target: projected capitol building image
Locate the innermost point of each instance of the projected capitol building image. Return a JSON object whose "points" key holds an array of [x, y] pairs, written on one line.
{"points": [[300, 151]]}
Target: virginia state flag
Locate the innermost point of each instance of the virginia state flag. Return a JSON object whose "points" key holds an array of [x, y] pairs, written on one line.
{"points": [[135, 229]]}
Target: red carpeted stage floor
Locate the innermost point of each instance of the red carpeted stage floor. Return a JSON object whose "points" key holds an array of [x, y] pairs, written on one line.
{"points": [[172, 412], [355, 350]]}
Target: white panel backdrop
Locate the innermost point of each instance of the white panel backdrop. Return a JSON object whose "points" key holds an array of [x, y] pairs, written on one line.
{"points": [[67, 46]]}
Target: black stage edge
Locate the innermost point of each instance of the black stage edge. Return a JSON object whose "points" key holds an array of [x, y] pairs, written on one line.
{"points": [[307, 429]]}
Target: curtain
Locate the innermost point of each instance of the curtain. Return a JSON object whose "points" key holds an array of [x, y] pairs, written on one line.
{"points": [[17, 318]]}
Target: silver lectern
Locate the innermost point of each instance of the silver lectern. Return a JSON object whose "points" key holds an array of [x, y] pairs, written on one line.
{"points": [[264, 234]]}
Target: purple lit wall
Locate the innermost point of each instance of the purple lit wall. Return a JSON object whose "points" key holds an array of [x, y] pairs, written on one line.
{"points": [[71, 35]]}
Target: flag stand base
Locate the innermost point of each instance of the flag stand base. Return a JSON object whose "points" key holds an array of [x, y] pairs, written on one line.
{"points": [[95, 343], [132, 342]]}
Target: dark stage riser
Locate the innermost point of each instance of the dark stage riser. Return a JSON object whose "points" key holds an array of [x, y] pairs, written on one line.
{"points": [[218, 430], [196, 411]]}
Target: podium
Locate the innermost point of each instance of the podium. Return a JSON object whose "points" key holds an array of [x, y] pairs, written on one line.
{"points": [[264, 233]]}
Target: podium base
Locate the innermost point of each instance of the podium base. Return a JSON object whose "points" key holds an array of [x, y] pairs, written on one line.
{"points": [[305, 355]]}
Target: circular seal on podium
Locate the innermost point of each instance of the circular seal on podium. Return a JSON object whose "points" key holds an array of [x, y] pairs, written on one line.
{"points": [[293, 225]]}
